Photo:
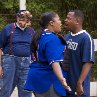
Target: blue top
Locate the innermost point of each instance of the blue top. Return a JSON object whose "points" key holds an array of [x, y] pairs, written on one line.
{"points": [[21, 40], [81, 50], [41, 76]]}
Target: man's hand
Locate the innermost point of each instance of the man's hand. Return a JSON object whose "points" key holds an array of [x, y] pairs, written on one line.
{"points": [[1, 71], [85, 70], [79, 89]]}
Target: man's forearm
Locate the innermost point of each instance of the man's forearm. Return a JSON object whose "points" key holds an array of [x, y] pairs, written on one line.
{"points": [[85, 70]]}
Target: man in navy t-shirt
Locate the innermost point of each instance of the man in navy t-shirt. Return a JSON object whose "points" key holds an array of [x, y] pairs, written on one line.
{"points": [[15, 41], [81, 52]]}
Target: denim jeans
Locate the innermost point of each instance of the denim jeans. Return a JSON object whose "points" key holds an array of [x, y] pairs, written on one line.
{"points": [[15, 70]]}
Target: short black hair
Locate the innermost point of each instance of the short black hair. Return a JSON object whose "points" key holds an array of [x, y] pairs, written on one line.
{"points": [[78, 13]]}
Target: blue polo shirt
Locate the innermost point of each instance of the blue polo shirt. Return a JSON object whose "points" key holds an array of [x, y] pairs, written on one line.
{"points": [[41, 76], [21, 40], [81, 50]]}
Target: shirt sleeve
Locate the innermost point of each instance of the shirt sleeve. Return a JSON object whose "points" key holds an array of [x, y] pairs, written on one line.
{"points": [[88, 50], [54, 51], [3, 38]]}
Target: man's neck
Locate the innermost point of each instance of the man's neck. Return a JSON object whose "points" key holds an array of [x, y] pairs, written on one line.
{"points": [[78, 29], [20, 27]]}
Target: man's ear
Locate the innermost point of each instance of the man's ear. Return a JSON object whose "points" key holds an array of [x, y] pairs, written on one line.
{"points": [[78, 20]]}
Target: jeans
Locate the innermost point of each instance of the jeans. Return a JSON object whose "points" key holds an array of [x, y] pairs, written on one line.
{"points": [[15, 70]]}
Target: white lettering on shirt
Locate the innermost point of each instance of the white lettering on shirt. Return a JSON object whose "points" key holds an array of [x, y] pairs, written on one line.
{"points": [[72, 45]]}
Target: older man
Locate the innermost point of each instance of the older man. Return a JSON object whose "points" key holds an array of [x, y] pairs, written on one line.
{"points": [[15, 40]]}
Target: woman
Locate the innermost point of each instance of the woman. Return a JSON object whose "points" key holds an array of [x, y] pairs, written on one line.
{"points": [[46, 77]]}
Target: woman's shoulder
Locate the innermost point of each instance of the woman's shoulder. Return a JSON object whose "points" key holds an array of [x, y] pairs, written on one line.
{"points": [[49, 36]]}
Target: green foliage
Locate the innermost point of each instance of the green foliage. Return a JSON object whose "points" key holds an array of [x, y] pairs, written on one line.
{"points": [[2, 22], [8, 6], [37, 7]]}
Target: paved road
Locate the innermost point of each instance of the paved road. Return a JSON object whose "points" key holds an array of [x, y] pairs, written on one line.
{"points": [[14, 94]]}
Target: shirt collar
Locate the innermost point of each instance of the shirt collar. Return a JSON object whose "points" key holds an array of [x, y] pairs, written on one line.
{"points": [[20, 27], [82, 31]]}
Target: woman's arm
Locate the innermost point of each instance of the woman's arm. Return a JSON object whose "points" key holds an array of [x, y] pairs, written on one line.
{"points": [[57, 70]]}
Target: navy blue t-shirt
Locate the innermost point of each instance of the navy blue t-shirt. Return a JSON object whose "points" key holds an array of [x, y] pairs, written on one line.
{"points": [[81, 50], [21, 40]]}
